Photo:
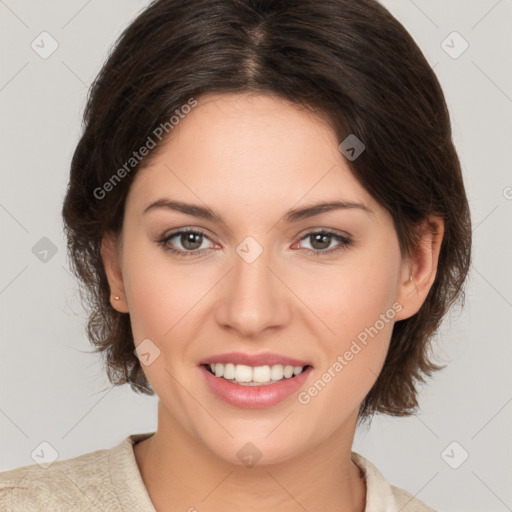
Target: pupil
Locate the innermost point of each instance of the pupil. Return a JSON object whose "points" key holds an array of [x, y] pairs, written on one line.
{"points": [[323, 239], [188, 241]]}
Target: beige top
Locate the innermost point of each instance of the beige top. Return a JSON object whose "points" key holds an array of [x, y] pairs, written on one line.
{"points": [[109, 480]]}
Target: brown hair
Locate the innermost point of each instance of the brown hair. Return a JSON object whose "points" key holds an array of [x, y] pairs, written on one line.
{"points": [[349, 61]]}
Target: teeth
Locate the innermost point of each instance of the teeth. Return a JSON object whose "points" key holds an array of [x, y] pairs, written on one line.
{"points": [[243, 373], [261, 373], [249, 375]]}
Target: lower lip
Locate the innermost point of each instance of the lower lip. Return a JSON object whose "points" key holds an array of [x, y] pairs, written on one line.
{"points": [[254, 397]]}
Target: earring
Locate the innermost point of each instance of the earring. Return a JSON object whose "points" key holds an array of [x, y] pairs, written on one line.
{"points": [[410, 277], [117, 298]]}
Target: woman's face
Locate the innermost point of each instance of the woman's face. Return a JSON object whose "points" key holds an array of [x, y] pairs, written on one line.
{"points": [[250, 283]]}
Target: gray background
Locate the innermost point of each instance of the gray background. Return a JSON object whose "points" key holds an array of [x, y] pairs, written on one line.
{"points": [[52, 390]]}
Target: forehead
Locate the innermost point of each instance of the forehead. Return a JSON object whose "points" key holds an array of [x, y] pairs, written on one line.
{"points": [[249, 150]]}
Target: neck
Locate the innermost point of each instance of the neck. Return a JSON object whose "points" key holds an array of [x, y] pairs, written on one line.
{"points": [[181, 473]]}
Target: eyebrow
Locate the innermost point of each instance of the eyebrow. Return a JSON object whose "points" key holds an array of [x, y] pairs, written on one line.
{"points": [[290, 216]]}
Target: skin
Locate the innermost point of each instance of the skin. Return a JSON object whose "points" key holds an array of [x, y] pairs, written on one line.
{"points": [[251, 158]]}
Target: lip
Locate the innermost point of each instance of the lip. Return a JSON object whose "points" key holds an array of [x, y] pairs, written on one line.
{"points": [[254, 397], [264, 358]]}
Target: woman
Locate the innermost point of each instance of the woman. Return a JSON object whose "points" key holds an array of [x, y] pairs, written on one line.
{"points": [[267, 211]]}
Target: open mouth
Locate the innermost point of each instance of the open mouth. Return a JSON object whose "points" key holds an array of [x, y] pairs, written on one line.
{"points": [[255, 376]]}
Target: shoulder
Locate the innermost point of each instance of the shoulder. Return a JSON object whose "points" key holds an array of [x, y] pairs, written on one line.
{"points": [[79, 483], [381, 495], [406, 502]]}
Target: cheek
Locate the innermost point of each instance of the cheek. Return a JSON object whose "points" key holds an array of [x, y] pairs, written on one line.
{"points": [[152, 299], [352, 296], [149, 312], [158, 291], [356, 302], [155, 311], [164, 302]]}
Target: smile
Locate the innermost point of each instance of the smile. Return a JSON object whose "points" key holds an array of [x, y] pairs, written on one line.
{"points": [[253, 376], [251, 394]]}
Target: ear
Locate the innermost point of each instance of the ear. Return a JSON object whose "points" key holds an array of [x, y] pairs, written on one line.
{"points": [[111, 256], [420, 268]]}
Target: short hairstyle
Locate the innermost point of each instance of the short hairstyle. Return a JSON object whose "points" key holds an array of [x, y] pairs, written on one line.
{"points": [[350, 62]]}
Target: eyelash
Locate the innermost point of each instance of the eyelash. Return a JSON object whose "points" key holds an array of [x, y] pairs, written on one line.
{"points": [[344, 243]]}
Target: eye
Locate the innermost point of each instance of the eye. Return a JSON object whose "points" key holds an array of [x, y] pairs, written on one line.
{"points": [[321, 242], [190, 239]]}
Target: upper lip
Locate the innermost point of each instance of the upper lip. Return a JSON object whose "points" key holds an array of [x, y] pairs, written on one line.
{"points": [[264, 358]]}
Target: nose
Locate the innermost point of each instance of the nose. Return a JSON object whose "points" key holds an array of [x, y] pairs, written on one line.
{"points": [[253, 297]]}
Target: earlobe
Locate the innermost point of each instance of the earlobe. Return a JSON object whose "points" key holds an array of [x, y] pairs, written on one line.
{"points": [[420, 269], [110, 255]]}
